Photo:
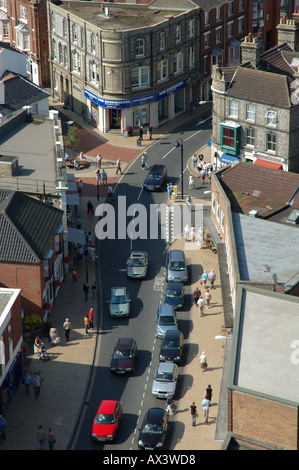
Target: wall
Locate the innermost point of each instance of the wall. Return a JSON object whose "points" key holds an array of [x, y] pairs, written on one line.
{"points": [[263, 419]]}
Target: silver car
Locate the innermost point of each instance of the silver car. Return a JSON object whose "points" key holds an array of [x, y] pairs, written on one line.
{"points": [[176, 267], [165, 320], [137, 264], [165, 380], [119, 302]]}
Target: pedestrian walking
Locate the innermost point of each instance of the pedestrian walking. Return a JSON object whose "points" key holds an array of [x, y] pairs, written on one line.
{"points": [[36, 384], [99, 160], [2, 428], [98, 177], [86, 323], [104, 177], [150, 131], [206, 406], [209, 393], [91, 317], [194, 159], [118, 166], [169, 190], [67, 329], [89, 208], [212, 278], [94, 289], [41, 437], [80, 253], [193, 413], [54, 335], [78, 222], [209, 174], [186, 232], [191, 108], [204, 278], [109, 192], [191, 182], [192, 233], [208, 297], [189, 202], [169, 402], [80, 187], [203, 175], [86, 290], [196, 295], [144, 163], [203, 361], [92, 252], [201, 305], [141, 133], [89, 239], [27, 381], [51, 439], [74, 279]]}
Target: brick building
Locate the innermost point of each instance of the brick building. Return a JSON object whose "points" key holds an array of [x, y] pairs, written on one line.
{"points": [[26, 29], [31, 251]]}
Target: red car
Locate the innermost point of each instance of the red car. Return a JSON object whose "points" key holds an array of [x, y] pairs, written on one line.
{"points": [[107, 420]]}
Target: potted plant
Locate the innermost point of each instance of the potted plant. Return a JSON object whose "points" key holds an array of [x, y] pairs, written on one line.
{"points": [[57, 283], [47, 306], [31, 324]]}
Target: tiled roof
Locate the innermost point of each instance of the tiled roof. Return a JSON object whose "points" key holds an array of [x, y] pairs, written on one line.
{"points": [[26, 227], [20, 92], [262, 182], [279, 59], [263, 87]]}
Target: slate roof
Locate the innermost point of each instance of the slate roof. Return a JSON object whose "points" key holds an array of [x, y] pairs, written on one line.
{"points": [[26, 227], [272, 88], [20, 92]]}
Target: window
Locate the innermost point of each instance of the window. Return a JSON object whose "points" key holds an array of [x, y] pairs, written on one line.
{"points": [[4, 4], [250, 137], [66, 56], [233, 108], [207, 18], [241, 4], [218, 13], [191, 29], [229, 29], [230, 7], [228, 137], [76, 62], [178, 62], [191, 57], [218, 34], [213, 202], [178, 34], [74, 33], [93, 43], [140, 77], [271, 142], [93, 72], [60, 53], [5, 30], [162, 41], [207, 40], [64, 28], [234, 53], [23, 14], [162, 69], [46, 269], [241, 24], [250, 112], [54, 49], [271, 116], [139, 47], [222, 221]]}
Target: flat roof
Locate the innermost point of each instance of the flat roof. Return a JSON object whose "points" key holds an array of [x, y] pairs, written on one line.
{"points": [[264, 344], [120, 18]]}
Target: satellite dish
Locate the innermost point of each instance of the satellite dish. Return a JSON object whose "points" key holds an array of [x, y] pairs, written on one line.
{"points": [[274, 278]]}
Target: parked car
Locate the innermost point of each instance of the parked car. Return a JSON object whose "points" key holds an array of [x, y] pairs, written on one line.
{"points": [[165, 379], [106, 421], [119, 302], [154, 429], [176, 266], [172, 346], [165, 320], [137, 264], [175, 295], [124, 356], [156, 178]]}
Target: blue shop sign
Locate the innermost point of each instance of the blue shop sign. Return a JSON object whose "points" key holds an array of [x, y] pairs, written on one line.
{"points": [[170, 90]]}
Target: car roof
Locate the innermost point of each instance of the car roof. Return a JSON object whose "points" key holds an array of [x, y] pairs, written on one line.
{"points": [[154, 415], [157, 168], [174, 286], [166, 309], [107, 406], [124, 343], [176, 254], [172, 334], [166, 366]]}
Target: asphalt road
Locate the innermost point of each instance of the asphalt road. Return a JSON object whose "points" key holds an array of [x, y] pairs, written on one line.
{"points": [[134, 392]]}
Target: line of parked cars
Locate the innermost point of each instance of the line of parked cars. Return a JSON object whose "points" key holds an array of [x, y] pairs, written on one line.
{"points": [[155, 425]]}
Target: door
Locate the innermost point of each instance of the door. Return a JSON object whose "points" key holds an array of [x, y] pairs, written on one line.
{"points": [[115, 116]]}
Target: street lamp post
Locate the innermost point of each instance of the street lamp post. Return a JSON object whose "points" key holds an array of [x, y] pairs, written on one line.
{"points": [[179, 143]]}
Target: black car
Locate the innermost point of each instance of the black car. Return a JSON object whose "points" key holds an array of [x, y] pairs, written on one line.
{"points": [[124, 356], [154, 429], [175, 295], [156, 178], [172, 346]]}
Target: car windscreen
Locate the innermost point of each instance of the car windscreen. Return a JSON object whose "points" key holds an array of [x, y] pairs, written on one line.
{"points": [[104, 419], [173, 293], [122, 354], [164, 377], [136, 262], [153, 177], [173, 344], [166, 320], [152, 429], [118, 299], [177, 266]]}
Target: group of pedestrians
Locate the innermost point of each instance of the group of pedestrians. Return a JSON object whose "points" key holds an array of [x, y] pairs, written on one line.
{"points": [[42, 437], [206, 403], [35, 382]]}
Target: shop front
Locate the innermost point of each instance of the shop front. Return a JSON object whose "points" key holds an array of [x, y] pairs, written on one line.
{"points": [[11, 382]]}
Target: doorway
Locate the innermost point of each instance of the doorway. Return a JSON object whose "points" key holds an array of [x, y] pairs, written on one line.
{"points": [[114, 118]]}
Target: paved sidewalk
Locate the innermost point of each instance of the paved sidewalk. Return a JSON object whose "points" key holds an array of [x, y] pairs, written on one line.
{"points": [[65, 376]]}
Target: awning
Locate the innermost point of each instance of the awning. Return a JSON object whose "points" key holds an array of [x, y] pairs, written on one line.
{"points": [[276, 166], [227, 158], [72, 199], [75, 235]]}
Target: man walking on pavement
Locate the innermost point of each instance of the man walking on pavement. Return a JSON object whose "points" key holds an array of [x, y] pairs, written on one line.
{"points": [[118, 167], [67, 329], [41, 437], [36, 384], [27, 381]]}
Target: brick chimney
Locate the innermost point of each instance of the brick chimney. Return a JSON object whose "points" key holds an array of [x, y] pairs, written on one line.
{"points": [[251, 50], [288, 31]]}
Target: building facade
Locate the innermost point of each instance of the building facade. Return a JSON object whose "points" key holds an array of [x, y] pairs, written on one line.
{"points": [[126, 66]]}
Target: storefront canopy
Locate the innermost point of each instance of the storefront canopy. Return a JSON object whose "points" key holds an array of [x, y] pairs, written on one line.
{"points": [[227, 158], [75, 235], [276, 166]]}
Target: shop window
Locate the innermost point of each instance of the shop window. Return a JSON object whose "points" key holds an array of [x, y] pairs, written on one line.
{"points": [[163, 109], [179, 101], [141, 116]]}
